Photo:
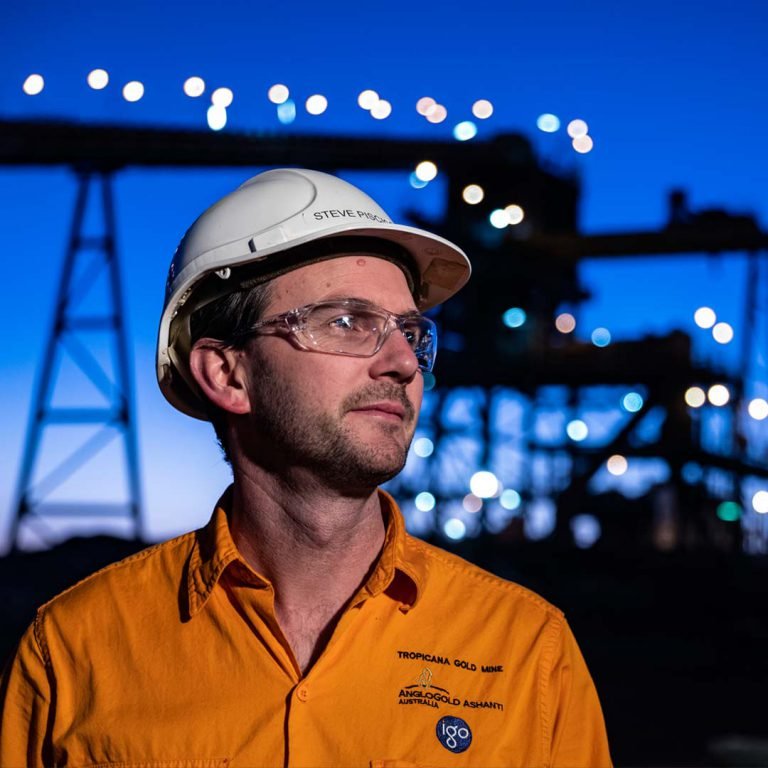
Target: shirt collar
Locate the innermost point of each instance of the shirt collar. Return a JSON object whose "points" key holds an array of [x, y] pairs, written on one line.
{"points": [[398, 575]]}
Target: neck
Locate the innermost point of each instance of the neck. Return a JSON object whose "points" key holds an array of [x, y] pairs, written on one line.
{"points": [[316, 546]]}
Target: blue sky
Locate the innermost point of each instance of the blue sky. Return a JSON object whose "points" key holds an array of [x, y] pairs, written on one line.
{"points": [[673, 94]]}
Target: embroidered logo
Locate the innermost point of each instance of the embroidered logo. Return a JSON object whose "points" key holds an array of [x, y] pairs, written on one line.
{"points": [[454, 734]]}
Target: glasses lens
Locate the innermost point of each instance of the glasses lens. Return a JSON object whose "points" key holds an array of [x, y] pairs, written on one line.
{"points": [[349, 330], [421, 334]]}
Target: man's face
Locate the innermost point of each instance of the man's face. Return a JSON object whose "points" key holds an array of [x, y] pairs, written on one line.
{"points": [[349, 420]]}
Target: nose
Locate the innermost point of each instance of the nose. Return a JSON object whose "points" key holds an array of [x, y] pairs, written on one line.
{"points": [[395, 360]]}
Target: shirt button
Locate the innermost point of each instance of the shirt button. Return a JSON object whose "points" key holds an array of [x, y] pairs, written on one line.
{"points": [[302, 693]]}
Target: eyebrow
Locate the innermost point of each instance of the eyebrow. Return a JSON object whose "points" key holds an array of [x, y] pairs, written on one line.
{"points": [[368, 303]]}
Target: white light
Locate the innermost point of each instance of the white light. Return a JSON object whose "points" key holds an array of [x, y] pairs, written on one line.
{"points": [[425, 501], [426, 170], [695, 397], [217, 117], [381, 110], [704, 317], [316, 104], [718, 395], [33, 85], [424, 104], [577, 430], [472, 504], [286, 112], [577, 128], [473, 194], [510, 499], [482, 109], [548, 123], [617, 465], [565, 322], [515, 214], [98, 79], [278, 93], [423, 447], [133, 91], [484, 484], [583, 144], [194, 87], [367, 99], [760, 502], [454, 529], [222, 97], [758, 408], [722, 333], [437, 114], [464, 131], [499, 218]]}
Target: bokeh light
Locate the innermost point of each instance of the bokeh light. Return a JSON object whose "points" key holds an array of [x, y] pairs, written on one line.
{"points": [[718, 394], [472, 504], [473, 194], [278, 93], [760, 502], [729, 511], [510, 499], [722, 333], [632, 402], [601, 337], [286, 112], [577, 430], [484, 484], [194, 87], [482, 109], [133, 91], [425, 501], [424, 104], [586, 530], [617, 465], [367, 99], [515, 214], [704, 317], [98, 79], [548, 123], [514, 317], [426, 170], [416, 182], [758, 408], [695, 397], [499, 218], [565, 322], [423, 447], [437, 114], [316, 104], [217, 117], [222, 97], [583, 144], [33, 85], [577, 128], [464, 131], [381, 110], [454, 528]]}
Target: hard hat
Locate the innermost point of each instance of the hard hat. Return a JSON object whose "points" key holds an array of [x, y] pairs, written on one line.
{"points": [[253, 228]]}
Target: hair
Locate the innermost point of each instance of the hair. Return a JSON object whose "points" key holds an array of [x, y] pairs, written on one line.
{"points": [[226, 321]]}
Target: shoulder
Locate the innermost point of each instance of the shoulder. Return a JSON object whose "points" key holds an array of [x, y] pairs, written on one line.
{"points": [[152, 575], [450, 577]]}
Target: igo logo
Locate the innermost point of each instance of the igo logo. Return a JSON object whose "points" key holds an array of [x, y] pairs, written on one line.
{"points": [[454, 734]]}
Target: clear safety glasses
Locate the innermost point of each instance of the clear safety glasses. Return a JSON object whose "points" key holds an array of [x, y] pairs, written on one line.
{"points": [[352, 327]]}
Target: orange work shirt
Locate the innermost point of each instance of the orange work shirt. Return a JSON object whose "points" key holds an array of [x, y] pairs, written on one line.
{"points": [[174, 658]]}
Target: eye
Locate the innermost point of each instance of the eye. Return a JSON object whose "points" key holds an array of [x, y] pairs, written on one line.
{"points": [[347, 322]]}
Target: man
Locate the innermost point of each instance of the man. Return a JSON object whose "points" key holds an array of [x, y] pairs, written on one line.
{"points": [[302, 626]]}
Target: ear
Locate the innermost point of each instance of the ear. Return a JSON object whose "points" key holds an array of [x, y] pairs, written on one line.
{"points": [[220, 374]]}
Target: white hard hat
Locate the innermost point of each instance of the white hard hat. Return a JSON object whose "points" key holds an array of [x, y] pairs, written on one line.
{"points": [[255, 226]]}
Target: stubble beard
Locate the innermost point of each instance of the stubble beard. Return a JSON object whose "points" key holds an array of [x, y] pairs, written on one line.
{"points": [[283, 433]]}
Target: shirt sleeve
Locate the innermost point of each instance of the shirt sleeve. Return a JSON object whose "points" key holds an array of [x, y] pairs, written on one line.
{"points": [[577, 736], [25, 704]]}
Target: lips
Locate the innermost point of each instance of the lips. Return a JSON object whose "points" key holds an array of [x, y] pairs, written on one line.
{"points": [[388, 407]]}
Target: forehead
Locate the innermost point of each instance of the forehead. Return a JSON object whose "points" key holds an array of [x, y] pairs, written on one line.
{"points": [[360, 275]]}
